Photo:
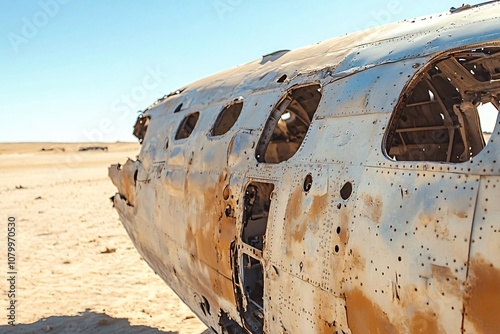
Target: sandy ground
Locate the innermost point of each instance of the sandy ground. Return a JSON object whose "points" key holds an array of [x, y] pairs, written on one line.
{"points": [[77, 270]]}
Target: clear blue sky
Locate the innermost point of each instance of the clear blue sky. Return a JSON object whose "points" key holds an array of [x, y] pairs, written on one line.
{"points": [[79, 70]]}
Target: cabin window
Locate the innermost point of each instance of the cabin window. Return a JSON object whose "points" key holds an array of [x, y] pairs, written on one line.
{"points": [[445, 115], [187, 126], [227, 117], [257, 203], [288, 123]]}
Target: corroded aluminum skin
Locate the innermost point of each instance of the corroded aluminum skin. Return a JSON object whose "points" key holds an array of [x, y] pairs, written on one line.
{"points": [[414, 249]]}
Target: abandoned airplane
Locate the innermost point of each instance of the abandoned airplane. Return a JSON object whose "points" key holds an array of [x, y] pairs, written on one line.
{"points": [[344, 187]]}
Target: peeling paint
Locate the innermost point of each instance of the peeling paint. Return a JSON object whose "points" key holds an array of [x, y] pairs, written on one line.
{"points": [[373, 207], [364, 316], [483, 302], [424, 323]]}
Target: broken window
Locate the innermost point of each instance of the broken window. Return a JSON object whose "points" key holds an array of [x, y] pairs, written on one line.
{"points": [[227, 118], [288, 123], [444, 114], [257, 203], [141, 126], [187, 126]]}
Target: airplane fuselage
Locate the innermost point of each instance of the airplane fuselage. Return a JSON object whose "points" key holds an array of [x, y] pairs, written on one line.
{"points": [[345, 187]]}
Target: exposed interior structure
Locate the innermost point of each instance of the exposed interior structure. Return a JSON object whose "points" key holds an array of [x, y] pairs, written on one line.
{"points": [[141, 126], [253, 283], [227, 117], [256, 212], [257, 203], [438, 118], [288, 123], [187, 126], [228, 325]]}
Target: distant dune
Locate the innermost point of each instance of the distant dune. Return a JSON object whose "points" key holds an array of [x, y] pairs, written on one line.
{"points": [[78, 272]]}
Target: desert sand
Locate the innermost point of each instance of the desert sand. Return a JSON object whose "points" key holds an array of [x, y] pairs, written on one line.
{"points": [[77, 270]]}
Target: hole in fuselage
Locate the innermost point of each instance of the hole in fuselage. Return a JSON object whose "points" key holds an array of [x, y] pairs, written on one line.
{"points": [[308, 182], [346, 191]]}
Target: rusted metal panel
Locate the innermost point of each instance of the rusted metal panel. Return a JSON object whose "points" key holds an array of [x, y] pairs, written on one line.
{"points": [[335, 141], [368, 91], [306, 226], [412, 232], [483, 281]]}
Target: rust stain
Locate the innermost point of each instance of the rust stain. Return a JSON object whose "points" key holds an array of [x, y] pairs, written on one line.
{"points": [[344, 226], [431, 222], [411, 296], [358, 262], [365, 317], [207, 229], [326, 327], [374, 207], [295, 203], [209, 235], [424, 221], [205, 246], [227, 234], [299, 231], [190, 239], [424, 323], [328, 321], [483, 302], [447, 281], [318, 206], [295, 227]]}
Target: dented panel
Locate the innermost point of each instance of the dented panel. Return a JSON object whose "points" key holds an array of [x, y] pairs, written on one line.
{"points": [[344, 187]]}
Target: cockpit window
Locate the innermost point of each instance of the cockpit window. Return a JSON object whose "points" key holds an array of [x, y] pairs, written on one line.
{"points": [[187, 126], [288, 123], [442, 116], [227, 117]]}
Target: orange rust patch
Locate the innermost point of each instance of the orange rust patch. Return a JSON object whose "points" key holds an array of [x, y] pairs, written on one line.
{"points": [[446, 279], [206, 241], [294, 227], [326, 327], [326, 316], [344, 226], [299, 231], [295, 203], [358, 262], [374, 207], [190, 241], [365, 317], [424, 221], [483, 304], [209, 235], [227, 228], [318, 205], [424, 323]]}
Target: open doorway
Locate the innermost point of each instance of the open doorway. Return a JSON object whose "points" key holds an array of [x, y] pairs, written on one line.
{"points": [[257, 203]]}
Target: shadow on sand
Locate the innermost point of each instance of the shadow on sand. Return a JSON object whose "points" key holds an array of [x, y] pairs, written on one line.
{"points": [[86, 323]]}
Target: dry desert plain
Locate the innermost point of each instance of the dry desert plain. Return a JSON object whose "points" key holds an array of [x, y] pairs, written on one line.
{"points": [[77, 270]]}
